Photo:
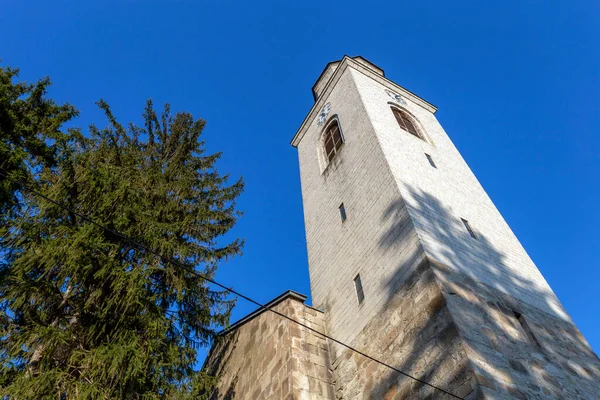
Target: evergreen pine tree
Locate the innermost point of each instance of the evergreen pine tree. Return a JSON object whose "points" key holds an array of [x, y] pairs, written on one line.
{"points": [[30, 133], [87, 315]]}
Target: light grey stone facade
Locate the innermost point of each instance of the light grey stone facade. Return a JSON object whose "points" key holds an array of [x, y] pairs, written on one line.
{"points": [[472, 315]]}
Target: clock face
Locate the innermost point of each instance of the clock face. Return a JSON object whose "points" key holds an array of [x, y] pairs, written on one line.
{"points": [[395, 96], [323, 114]]}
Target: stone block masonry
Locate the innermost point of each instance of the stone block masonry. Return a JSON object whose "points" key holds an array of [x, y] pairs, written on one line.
{"points": [[468, 338], [448, 294], [476, 344], [516, 350], [265, 356], [416, 334]]}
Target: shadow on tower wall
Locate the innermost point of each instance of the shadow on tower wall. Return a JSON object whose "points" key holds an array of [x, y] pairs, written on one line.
{"points": [[475, 340]]}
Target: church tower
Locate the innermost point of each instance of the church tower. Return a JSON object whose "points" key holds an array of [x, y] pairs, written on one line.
{"points": [[412, 263]]}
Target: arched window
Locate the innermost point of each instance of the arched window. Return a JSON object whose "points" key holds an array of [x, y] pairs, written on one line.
{"points": [[406, 122], [332, 140]]}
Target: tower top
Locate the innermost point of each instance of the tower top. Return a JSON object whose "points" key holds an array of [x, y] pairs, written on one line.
{"points": [[330, 69], [332, 73]]}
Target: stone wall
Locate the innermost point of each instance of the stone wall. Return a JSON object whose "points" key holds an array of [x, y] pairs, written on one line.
{"points": [[269, 357], [469, 339], [517, 350], [414, 333], [439, 326]]}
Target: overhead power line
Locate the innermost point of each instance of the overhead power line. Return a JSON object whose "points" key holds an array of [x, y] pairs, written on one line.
{"points": [[214, 282]]}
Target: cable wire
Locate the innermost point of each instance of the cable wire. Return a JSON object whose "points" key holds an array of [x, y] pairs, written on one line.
{"points": [[214, 282]]}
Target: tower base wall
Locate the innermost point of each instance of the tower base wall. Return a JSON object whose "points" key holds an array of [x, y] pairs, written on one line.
{"points": [[517, 350], [270, 357], [414, 333], [469, 339]]}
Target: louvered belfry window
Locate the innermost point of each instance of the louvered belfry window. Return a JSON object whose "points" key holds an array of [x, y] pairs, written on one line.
{"points": [[332, 140], [405, 122]]}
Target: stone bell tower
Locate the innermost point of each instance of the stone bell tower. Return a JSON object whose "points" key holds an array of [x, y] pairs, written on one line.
{"points": [[413, 264]]}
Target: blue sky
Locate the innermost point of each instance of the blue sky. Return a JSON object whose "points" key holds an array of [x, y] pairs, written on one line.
{"points": [[517, 85]]}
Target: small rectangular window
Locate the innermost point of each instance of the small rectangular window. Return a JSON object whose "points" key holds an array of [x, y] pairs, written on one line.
{"points": [[430, 160], [528, 332], [360, 294], [343, 212], [469, 229]]}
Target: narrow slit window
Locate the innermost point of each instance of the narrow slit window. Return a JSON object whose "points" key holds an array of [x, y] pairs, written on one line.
{"points": [[343, 212], [430, 160], [528, 332], [360, 294], [469, 229]]}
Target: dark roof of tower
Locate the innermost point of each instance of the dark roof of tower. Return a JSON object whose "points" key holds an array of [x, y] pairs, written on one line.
{"points": [[334, 63]]}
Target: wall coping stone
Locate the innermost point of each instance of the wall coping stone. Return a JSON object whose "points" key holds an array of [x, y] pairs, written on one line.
{"points": [[289, 294]]}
